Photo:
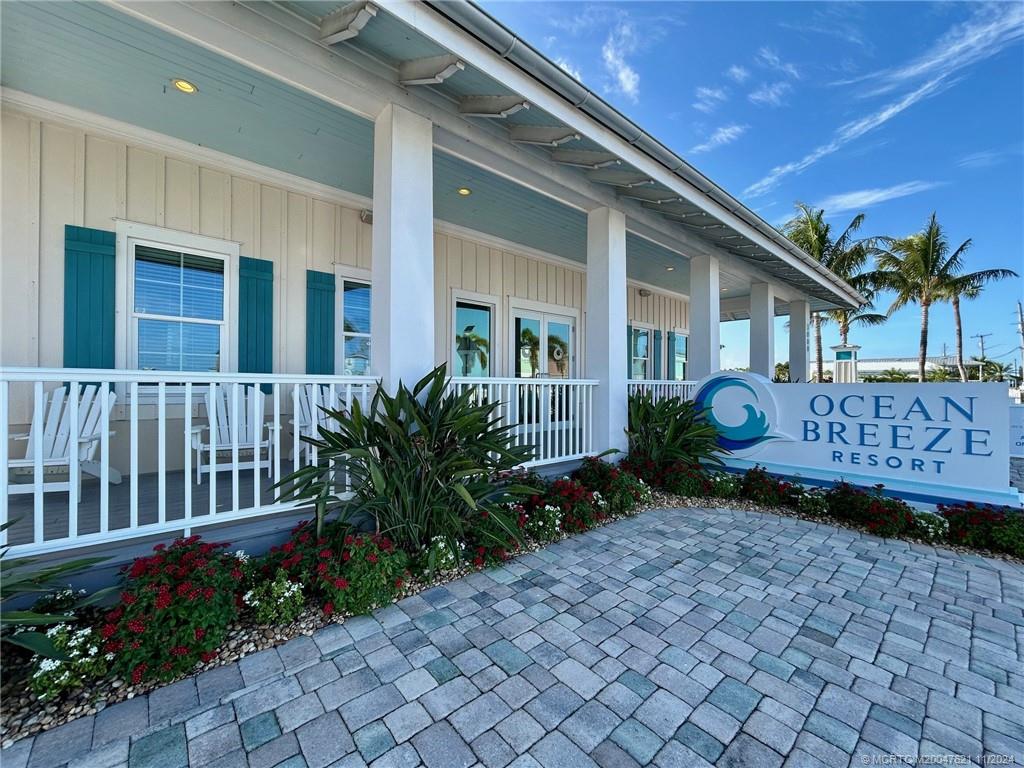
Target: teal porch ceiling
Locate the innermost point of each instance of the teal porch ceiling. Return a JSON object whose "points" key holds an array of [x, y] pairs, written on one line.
{"points": [[93, 57]]}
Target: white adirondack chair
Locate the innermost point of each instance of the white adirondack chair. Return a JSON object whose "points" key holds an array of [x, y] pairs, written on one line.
{"points": [[256, 448], [313, 398], [55, 435]]}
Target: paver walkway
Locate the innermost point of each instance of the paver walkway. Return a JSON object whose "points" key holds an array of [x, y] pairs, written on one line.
{"points": [[677, 638]]}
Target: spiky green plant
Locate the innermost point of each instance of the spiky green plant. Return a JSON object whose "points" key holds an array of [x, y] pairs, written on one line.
{"points": [[669, 431], [422, 463]]}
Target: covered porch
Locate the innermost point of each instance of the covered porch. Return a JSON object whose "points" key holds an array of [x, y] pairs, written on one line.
{"points": [[348, 194]]}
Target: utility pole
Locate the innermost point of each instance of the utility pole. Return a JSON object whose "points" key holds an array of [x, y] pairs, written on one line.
{"points": [[1020, 332], [981, 343]]}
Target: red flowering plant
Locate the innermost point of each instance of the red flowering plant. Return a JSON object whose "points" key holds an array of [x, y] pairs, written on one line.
{"points": [[760, 487], [985, 526], [367, 572], [174, 611], [299, 556], [687, 480], [617, 485], [879, 514], [581, 507], [496, 531]]}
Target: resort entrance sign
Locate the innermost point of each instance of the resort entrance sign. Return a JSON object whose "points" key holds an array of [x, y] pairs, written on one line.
{"points": [[927, 442]]}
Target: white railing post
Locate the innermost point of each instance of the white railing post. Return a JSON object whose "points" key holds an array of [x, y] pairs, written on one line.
{"points": [[5, 430]]}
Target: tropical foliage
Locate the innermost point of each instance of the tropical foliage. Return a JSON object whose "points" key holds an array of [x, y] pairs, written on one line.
{"points": [[421, 463], [922, 269], [666, 432]]}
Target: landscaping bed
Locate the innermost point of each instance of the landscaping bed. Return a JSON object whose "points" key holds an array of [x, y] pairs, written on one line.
{"points": [[444, 498]]}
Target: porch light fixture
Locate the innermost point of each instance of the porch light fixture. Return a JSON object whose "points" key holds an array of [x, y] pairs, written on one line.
{"points": [[670, 269], [184, 85], [464, 191]]}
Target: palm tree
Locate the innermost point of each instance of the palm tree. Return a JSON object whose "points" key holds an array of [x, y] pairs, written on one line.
{"points": [[846, 258], [969, 286], [918, 269]]}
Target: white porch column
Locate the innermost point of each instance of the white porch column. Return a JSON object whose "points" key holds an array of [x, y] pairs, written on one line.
{"points": [[606, 325], [799, 319], [762, 329], [402, 274], [705, 345]]}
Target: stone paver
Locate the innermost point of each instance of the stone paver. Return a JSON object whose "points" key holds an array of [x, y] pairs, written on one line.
{"points": [[679, 637]]}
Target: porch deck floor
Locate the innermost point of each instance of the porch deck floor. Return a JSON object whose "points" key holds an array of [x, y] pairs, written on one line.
{"points": [[21, 507]]}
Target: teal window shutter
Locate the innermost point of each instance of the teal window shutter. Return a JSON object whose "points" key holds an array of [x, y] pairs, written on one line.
{"points": [[319, 322], [671, 356], [88, 297], [255, 315], [656, 374], [629, 352]]}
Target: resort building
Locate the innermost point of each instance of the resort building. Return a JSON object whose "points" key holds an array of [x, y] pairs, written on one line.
{"points": [[229, 214]]}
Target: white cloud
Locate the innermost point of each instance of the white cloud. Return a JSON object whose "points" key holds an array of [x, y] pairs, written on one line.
{"points": [[864, 198], [992, 28], [569, 68], [621, 43], [709, 98], [727, 134], [767, 57], [737, 73], [771, 94], [844, 135]]}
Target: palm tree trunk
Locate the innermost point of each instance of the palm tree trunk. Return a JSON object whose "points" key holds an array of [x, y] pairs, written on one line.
{"points": [[959, 339], [817, 346], [923, 351], [844, 332]]}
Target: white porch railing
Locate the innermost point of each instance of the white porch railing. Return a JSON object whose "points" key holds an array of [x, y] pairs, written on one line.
{"points": [[663, 389], [553, 415], [95, 456], [89, 469]]}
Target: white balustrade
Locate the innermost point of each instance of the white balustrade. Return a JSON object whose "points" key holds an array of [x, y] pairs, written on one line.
{"points": [[663, 389], [142, 460], [95, 456], [555, 416]]}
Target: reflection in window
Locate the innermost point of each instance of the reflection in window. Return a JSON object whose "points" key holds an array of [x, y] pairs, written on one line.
{"points": [[679, 358], [640, 353], [527, 352], [472, 339], [178, 309], [355, 313], [558, 349]]}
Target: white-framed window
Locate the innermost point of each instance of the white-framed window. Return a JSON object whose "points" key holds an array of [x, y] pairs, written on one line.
{"points": [[677, 361], [641, 352], [474, 343], [175, 300], [352, 335]]}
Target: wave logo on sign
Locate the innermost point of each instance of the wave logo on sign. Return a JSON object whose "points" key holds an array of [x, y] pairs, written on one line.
{"points": [[741, 408]]}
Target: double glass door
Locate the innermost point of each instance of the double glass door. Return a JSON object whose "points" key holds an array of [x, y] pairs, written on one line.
{"points": [[543, 348], [543, 345]]}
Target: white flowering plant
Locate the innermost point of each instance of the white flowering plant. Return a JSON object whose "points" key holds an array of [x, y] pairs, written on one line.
{"points": [[930, 527], [84, 660], [441, 555], [544, 522], [277, 601]]}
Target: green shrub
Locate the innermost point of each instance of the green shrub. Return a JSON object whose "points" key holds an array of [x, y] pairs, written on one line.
{"points": [[812, 501], [725, 485], [758, 486], [881, 515], [275, 601], [686, 480], [442, 555], [174, 611], [581, 508], [543, 521], [666, 432], [422, 463], [84, 661], [985, 527]]}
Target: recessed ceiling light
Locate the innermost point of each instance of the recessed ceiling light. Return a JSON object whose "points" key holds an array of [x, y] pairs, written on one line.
{"points": [[670, 269], [464, 191], [184, 85]]}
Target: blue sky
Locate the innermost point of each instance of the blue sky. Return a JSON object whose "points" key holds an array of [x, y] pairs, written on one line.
{"points": [[893, 109]]}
